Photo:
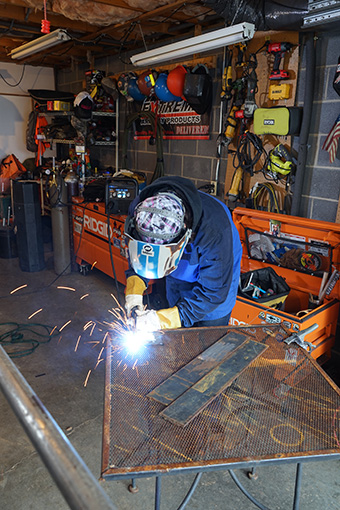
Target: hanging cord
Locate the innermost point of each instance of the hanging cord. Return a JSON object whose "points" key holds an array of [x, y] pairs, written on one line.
{"points": [[263, 192], [248, 153], [151, 117], [111, 259]]}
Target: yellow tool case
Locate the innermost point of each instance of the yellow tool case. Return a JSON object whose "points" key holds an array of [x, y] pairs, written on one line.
{"points": [[304, 253]]}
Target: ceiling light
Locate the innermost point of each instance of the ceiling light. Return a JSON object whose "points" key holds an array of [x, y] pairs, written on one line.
{"points": [[205, 42], [40, 44]]}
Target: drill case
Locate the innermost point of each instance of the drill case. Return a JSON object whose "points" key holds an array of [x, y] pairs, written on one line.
{"points": [[279, 120], [300, 253]]}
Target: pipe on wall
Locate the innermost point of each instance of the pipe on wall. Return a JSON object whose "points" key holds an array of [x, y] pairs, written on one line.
{"points": [[305, 125]]}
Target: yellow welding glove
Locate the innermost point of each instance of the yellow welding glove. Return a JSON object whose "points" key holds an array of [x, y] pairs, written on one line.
{"points": [[152, 320], [134, 290], [169, 318]]}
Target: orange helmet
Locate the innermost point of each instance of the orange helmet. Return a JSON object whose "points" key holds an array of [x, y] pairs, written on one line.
{"points": [[175, 81]]}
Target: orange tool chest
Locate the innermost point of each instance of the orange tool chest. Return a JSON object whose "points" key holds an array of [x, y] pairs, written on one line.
{"points": [[91, 238], [305, 253]]}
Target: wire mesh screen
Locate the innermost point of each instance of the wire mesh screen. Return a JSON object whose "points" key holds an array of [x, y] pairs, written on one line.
{"points": [[281, 405]]}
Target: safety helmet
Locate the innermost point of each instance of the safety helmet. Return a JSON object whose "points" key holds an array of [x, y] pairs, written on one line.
{"points": [[122, 85], [197, 89], [83, 105], [162, 91], [133, 89], [146, 82], [175, 81], [157, 235]]}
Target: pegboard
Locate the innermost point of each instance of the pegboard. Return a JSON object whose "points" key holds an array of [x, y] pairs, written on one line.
{"points": [[265, 61]]}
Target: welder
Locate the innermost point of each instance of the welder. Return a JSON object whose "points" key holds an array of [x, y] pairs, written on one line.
{"points": [[187, 237]]}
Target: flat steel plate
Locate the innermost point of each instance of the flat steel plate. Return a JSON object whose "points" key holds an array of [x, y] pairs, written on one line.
{"points": [[282, 406]]}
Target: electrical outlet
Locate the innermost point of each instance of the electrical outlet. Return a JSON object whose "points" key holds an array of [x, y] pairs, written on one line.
{"points": [[213, 185]]}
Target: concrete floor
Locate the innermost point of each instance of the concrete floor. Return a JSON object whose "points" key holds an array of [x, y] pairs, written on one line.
{"points": [[57, 374]]}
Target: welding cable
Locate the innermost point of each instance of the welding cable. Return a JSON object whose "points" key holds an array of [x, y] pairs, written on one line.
{"points": [[245, 492], [150, 116], [263, 191], [248, 152], [111, 258], [191, 491], [16, 336]]}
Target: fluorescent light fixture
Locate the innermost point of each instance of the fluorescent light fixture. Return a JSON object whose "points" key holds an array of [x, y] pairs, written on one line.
{"points": [[40, 44], [205, 42]]}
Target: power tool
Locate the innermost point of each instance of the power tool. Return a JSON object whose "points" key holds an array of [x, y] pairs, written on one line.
{"points": [[280, 162], [278, 50]]}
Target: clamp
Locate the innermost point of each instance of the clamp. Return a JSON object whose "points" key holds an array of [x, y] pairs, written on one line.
{"points": [[299, 338]]}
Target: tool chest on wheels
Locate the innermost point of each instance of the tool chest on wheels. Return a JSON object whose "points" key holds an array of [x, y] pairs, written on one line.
{"points": [[303, 253]]}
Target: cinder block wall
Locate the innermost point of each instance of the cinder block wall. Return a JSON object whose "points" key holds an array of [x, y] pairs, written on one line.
{"points": [[321, 186], [197, 159]]}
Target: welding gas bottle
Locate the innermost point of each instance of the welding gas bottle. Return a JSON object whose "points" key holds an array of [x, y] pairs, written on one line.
{"points": [[72, 182]]}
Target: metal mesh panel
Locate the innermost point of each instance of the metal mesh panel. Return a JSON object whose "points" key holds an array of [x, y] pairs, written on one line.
{"points": [[281, 405]]}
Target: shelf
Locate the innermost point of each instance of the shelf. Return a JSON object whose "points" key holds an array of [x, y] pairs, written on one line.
{"points": [[68, 114]]}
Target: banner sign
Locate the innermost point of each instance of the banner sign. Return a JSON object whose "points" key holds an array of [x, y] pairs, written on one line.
{"points": [[178, 119]]}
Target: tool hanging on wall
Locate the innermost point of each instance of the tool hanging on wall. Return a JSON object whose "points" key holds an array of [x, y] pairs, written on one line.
{"points": [[278, 50], [280, 163], [250, 77]]}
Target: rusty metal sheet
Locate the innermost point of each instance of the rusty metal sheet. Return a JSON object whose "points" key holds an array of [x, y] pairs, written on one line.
{"points": [[183, 379], [195, 399]]}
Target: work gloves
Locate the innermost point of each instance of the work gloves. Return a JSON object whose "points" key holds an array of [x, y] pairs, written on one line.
{"points": [[152, 320], [148, 320], [134, 290]]}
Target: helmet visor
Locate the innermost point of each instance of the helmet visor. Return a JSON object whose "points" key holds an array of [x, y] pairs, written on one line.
{"points": [[155, 261]]}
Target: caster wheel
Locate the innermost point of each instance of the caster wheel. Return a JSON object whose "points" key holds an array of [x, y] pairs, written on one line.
{"points": [[133, 488], [252, 475], [84, 269]]}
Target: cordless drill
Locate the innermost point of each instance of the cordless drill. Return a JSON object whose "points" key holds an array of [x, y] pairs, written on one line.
{"points": [[278, 50]]}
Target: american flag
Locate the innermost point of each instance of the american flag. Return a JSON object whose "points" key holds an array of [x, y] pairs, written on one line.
{"points": [[331, 143]]}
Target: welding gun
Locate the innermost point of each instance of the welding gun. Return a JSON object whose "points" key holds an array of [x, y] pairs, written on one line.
{"points": [[278, 50]]}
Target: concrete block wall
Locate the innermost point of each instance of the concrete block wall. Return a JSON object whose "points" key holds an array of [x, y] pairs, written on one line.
{"points": [[197, 159], [321, 186]]}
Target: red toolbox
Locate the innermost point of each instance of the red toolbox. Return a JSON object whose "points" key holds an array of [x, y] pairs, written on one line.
{"points": [[306, 254]]}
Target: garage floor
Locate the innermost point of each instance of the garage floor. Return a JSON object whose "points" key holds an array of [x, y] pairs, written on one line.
{"points": [[57, 372]]}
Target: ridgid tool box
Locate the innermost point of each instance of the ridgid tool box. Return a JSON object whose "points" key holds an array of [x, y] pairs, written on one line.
{"points": [[91, 237], [302, 287]]}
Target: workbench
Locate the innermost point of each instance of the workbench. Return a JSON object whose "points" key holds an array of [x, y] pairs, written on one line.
{"points": [[283, 408]]}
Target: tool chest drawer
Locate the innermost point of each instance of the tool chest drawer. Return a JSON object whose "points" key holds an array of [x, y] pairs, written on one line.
{"points": [[306, 254]]}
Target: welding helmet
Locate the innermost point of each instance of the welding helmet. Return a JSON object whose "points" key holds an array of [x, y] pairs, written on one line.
{"points": [[197, 89], [122, 85], [83, 105], [146, 82], [157, 235], [175, 81], [133, 90], [162, 91]]}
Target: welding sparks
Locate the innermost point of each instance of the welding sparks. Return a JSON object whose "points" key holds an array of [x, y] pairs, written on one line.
{"points": [[84, 296], [35, 313], [76, 347], [18, 288], [64, 326], [87, 378], [94, 263], [67, 288]]}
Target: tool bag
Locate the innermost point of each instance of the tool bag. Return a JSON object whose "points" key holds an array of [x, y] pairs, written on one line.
{"points": [[279, 121], [10, 168], [274, 288]]}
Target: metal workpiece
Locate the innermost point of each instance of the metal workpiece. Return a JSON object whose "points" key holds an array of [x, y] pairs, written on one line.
{"points": [[281, 408], [75, 481]]}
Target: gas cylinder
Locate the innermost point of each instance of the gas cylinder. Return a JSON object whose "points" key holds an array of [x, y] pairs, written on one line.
{"points": [[72, 183], [60, 225]]}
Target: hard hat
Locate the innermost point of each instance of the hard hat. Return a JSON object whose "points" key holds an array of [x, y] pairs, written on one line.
{"points": [[83, 105], [162, 91], [146, 82], [122, 85], [197, 89], [157, 235], [133, 89], [175, 81]]}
